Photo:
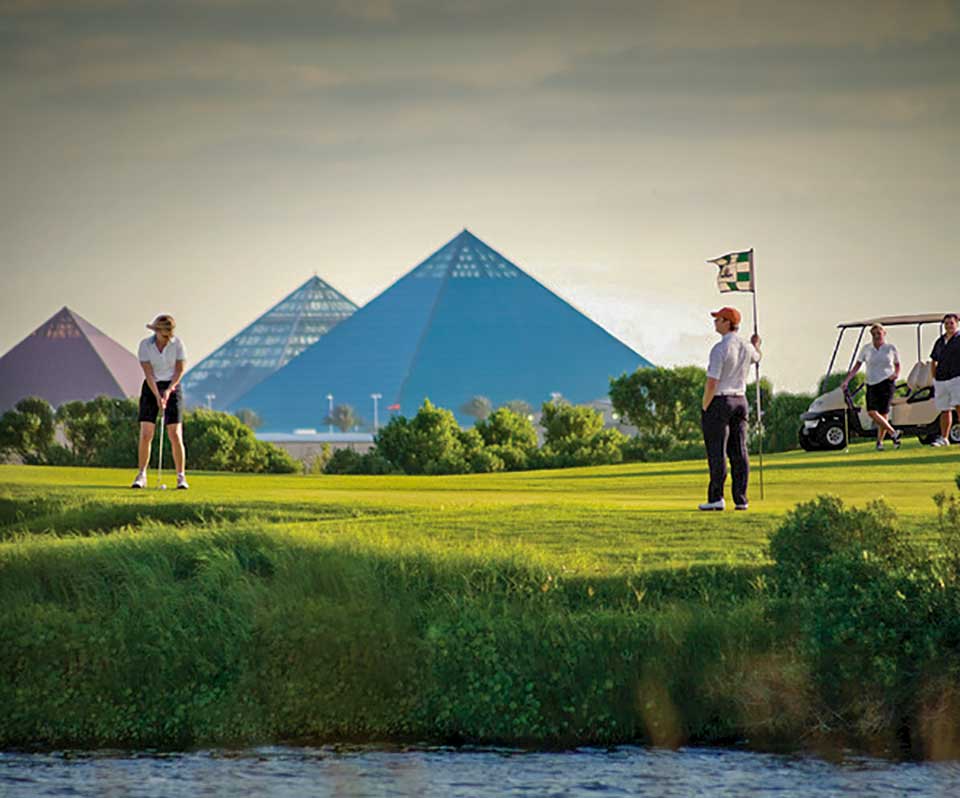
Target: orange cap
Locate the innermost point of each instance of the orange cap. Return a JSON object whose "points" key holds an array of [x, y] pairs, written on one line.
{"points": [[730, 314]]}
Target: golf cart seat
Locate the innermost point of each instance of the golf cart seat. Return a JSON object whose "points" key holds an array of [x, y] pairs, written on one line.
{"points": [[920, 382]]}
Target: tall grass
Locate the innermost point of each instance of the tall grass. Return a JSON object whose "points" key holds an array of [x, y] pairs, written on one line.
{"points": [[165, 636], [582, 607]]}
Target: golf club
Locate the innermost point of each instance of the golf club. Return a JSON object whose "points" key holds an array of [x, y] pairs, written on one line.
{"points": [[160, 485]]}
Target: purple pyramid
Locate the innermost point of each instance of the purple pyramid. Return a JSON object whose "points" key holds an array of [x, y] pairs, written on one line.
{"points": [[64, 359]]}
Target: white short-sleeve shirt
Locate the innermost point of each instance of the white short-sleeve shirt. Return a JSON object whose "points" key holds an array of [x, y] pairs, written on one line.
{"points": [[164, 363], [730, 360], [881, 362]]}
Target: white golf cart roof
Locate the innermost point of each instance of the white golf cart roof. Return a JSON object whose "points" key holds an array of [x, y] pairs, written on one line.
{"points": [[894, 321]]}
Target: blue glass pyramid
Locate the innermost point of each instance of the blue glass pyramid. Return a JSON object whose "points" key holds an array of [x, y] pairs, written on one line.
{"points": [[464, 322], [283, 332]]}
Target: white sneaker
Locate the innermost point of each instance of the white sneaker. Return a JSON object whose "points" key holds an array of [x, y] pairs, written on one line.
{"points": [[941, 441], [717, 505], [743, 506], [140, 481], [182, 482]]}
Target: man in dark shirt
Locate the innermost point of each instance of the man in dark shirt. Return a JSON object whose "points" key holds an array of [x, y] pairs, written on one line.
{"points": [[945, 359]]}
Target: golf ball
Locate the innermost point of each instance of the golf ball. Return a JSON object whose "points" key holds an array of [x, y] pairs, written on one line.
{"points": [[163, 487]]}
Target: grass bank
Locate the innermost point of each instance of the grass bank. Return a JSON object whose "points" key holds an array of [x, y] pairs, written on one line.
{"points": [[586, 606]]}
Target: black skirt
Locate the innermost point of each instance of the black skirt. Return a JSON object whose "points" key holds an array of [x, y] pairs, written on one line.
{"points": [[150, 408]]}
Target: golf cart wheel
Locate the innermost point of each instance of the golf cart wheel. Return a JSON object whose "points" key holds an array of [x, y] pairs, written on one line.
{"points": [[954, 436], [833, 436], [807, 442]]}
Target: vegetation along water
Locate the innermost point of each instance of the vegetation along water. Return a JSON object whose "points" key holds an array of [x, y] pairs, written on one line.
{"points": [[586, 606]]}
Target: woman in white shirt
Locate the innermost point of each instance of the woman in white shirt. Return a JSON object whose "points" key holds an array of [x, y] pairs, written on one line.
{"points": [[883, 369], [163, 359]]}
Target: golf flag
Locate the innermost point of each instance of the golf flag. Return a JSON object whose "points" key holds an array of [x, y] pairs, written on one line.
{"points": [[736, 271]]}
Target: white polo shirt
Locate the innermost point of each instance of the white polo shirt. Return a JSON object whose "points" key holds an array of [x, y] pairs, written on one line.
{"points": [[164, 363], [881, 362], [730, 360]]}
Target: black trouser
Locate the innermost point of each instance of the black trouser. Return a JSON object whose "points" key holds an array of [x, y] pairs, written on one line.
{"points": [[725, 435]]}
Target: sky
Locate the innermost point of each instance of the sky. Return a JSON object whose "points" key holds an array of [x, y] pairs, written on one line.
{"points": [[204, 158]]}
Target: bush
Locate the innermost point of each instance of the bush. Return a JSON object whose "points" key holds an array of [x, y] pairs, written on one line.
{"points": [[563, 423], [781, 421], [218, 441], [343, 461], [601, 448], [504, 427], [28, 430], [878, 619], [816, 531], [429, 443], [101, 432], [347, 461], [278, 461], [513, 457]]}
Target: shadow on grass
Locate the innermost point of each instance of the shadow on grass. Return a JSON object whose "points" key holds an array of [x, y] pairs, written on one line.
{"points": [[72, 514]]}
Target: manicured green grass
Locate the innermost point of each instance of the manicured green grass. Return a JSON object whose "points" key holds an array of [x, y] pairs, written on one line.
{"points": [[613, 517], [578, 606]]}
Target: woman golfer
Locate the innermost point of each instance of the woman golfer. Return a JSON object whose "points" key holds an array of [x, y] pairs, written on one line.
{"points": [[163, 358], [883, 369]]}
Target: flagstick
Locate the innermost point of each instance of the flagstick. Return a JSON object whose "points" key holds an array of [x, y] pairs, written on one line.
{"points": [[756, 327]]}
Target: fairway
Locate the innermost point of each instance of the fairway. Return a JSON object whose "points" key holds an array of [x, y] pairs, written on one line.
{"points": [[603, 519]]}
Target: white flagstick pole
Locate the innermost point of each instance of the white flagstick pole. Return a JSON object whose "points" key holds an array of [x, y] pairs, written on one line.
{"points": [[756, 328]]}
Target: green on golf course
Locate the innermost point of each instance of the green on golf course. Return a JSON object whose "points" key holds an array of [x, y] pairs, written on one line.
{"points": [[577, 606]]}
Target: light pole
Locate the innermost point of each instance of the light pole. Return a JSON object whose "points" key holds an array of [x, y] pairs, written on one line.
{"points": [[376, 397], [210, 398], [330, 411]]}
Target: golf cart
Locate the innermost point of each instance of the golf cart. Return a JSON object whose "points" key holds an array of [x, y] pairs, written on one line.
{"points": [[839, 415]]}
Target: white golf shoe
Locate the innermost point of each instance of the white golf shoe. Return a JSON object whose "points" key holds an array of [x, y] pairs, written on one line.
{"points": [[182, 482], [717, 505], [140, 481]]}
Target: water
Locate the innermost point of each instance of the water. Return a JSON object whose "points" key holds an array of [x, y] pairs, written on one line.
{"points": [[279, 772]]}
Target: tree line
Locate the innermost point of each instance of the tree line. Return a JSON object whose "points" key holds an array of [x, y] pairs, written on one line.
{"points": [[662, 404]]}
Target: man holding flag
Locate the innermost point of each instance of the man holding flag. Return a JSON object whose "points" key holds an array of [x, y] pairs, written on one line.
{"points": [[725, 410]]}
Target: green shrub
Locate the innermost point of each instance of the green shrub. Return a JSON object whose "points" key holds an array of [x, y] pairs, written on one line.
{"points": [[28, 430], [513, 457], [563, 422], [218, 441], [430, 443], [101, 432], [504, 427], [604, 447], [343, 461], [815, 531], [781, 421]]}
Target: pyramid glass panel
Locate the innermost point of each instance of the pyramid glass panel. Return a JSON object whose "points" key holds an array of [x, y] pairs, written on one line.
{"points": [[279, 335], [464, 322]]}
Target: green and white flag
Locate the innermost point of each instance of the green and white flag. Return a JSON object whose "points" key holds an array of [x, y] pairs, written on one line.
{"points": [[736, 271]]}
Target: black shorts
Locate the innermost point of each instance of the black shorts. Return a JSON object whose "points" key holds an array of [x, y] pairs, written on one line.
{"points": [[150, 408], [880, 395]]}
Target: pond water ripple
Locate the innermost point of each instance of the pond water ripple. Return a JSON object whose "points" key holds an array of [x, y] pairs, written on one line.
{"points": [[352, 772]]}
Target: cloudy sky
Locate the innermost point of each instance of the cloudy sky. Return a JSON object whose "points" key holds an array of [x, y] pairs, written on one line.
{"points": [[204, 157]]}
